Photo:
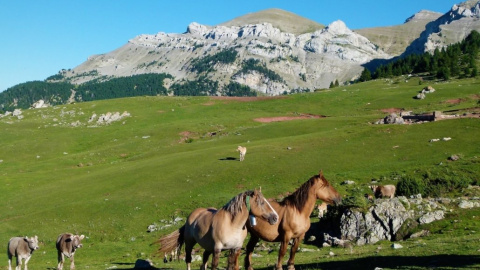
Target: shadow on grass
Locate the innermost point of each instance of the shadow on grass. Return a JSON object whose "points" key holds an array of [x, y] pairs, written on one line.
{"points": [[229, 158], [444, 261], [131, 266]]}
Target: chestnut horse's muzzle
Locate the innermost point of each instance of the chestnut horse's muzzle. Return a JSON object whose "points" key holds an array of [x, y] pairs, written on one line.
{"points": [[272, 219]]}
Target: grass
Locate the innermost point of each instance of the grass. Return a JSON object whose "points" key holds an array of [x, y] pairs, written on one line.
{"points": [[110, 182]]}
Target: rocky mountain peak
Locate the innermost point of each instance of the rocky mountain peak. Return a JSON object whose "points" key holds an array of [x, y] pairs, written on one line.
{"points": [[423, 15], [466, 9], [338, 28]]}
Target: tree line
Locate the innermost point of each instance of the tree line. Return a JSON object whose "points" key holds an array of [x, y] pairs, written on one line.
{"points": [[457, 60], [56, 93]]}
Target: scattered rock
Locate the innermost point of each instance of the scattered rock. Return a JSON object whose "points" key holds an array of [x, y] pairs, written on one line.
{"points": [[454, 158], [420, 96], [431, 217], [421, 233], [334, 241], [396, 246], [467, 204], [428, 89], [39, 104], [312, 238], [392, 118]]}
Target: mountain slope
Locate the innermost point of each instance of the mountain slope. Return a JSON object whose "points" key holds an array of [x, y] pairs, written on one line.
{"points": [[304, 61], [449, 28], [395, 39], [285, 21]]}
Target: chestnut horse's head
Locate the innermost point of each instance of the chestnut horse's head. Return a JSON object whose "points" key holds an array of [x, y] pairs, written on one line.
{"points": [[260, 207], [325, 191]]}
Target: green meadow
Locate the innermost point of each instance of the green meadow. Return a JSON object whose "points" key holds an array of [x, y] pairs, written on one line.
{"points": [[174, 154]]}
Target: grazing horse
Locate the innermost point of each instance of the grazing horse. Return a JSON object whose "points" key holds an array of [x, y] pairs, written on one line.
{"points": [[294, 219], [243, 152], [387, 191], [217, 230]]}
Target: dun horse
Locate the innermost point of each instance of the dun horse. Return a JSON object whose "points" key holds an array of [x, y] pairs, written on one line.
{"points": [[217, 230], [294, 219]]}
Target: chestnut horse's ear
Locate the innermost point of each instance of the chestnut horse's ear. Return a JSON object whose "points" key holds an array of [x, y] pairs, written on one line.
{"points": [[320, 173], [260, 189]]}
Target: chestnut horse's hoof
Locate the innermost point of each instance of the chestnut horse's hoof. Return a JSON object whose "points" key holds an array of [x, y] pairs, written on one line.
{"points": [[291, 267]]}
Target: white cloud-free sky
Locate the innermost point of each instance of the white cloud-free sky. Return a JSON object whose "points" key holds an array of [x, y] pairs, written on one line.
{"points": [[40, 37]]}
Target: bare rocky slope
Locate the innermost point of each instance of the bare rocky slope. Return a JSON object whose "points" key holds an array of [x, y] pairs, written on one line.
{"points": [[305, 54]]}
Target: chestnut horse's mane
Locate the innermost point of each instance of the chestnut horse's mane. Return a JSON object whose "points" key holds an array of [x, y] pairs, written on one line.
{"points": [[234, 206], [299, 198]]}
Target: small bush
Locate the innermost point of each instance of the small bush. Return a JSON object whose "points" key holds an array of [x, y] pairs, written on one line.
{"points": [[357, 200], [409, 185], [445, 184]]}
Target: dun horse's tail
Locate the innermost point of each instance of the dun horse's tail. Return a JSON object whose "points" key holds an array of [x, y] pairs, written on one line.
{"points": [[172, 241]]}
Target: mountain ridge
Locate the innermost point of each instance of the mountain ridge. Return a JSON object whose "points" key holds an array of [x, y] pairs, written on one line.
{"points": [[284, 20]]}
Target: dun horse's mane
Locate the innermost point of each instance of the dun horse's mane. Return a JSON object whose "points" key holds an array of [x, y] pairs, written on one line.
{"points": [[299, 198], [234, 206]]}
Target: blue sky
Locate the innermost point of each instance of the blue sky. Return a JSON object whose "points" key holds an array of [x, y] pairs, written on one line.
{"points": [[40, 37]]}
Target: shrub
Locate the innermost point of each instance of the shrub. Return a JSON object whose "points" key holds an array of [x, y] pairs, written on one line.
{"points": [[440, 185], [409, 185], [357, 200]]}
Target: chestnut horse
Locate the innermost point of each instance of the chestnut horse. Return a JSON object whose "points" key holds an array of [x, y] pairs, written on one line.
{"points": [[217, 230], [294, 219]]}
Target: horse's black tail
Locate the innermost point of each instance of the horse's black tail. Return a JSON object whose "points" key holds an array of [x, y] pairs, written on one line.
{"points": [[172, 241]]}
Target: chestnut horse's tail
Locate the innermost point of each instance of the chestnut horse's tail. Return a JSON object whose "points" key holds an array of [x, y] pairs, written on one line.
{"points": [[172, 241]]}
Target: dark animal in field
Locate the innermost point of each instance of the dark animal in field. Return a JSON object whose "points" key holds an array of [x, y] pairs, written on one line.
{"points": [[67, 244]]}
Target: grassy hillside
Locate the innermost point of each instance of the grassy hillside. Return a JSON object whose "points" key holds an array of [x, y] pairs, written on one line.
{"points": [[174, 154]]}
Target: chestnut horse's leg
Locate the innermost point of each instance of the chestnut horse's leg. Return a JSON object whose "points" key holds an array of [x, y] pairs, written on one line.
{"points": [[293, 251], [206, 254], [250, 247], [233, 259], [282, 251], [216, 256]]}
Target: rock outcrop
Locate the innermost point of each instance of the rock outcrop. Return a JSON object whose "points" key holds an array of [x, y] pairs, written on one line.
{"points": [[396, 219], [452, 27]]}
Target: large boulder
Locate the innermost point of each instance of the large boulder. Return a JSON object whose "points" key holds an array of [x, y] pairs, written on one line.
{"points": [[380, 222]]}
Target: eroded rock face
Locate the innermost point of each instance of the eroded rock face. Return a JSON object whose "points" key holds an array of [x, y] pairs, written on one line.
{"points": [[380, 222], [395, 219], [452, 27], [311, 60]]}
